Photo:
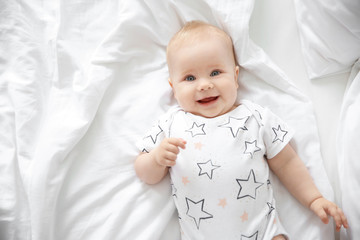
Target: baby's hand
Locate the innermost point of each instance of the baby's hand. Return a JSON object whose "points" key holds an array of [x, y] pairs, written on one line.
{"points": [[324, 208], [166, 153]]}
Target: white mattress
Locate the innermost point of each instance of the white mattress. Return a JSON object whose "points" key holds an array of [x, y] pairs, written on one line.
{"points": [[78, 79]]}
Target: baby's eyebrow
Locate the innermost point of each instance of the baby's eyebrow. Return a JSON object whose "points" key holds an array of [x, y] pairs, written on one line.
{"points": [[216, 66], [188, 72]]}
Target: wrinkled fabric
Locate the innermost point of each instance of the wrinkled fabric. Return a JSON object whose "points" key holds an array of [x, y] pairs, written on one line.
{"points": [[330, 35], [330, 39], [77, 80], [348, 161]]}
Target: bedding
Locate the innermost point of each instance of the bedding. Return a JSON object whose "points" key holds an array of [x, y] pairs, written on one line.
{"points": [[348, 162], [330, 43], [81, 82], [330, 35]]}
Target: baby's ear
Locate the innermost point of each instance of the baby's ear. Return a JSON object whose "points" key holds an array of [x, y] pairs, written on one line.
{"points": [[237, 70], [172, 87]]}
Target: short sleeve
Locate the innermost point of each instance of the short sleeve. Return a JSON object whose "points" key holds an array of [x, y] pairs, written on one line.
{"points": [[157, 133], [276, 133]]}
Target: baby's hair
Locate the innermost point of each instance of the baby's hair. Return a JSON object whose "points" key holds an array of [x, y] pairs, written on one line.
{"points": [[192, 31]]}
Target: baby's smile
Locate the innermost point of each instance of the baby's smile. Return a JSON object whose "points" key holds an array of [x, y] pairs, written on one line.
{"points": [[208, 100]]}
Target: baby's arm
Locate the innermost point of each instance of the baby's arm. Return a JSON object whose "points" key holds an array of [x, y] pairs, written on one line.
{"points": [[293, 173], [152, 167]]}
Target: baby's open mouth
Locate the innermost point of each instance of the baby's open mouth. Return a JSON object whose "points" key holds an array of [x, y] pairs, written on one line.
{"points": [[207, 100]]}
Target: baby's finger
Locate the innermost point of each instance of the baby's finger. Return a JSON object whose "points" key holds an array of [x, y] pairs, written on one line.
{"points": [[170, 156], [178, 142], [170, 163], [343, 220], [172, 148], [322, 215], [335, 213], [168, 159]]}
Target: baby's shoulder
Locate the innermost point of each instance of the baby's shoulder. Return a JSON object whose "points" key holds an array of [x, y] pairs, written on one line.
{"points": [[172, 111], [169, 115], [258, 112], [252, 106]]}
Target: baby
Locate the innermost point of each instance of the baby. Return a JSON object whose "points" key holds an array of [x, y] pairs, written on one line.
{"points": [[219, 151]]}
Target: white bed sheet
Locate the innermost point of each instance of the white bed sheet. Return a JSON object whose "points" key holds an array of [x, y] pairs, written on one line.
{"points": [[326, 93], [69, 126], [330, 35], [348, 160], [330, 43], [347, 147]]}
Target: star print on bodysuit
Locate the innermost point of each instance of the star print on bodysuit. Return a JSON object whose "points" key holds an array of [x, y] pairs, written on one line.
{"points": [[251, 148], [154, 135], [235, 124], [207, 168], [222, 202], [248, 186], [279, 134], [195, 210], [196, 129], [174, 190], [271, 208], [244, 217], [252, 237]]}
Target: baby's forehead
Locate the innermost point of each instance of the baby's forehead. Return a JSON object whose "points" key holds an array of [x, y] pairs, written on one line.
{"points": [[197, 36]]}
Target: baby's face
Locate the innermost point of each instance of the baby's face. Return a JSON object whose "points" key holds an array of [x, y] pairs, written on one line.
{"points": [[204, 76]]}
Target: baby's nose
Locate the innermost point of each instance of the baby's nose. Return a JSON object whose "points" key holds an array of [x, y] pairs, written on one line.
{"points": [[205, 84]]}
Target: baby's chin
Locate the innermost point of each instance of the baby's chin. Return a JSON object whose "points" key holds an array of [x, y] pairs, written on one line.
{"points": [[213, 113], [206, 114]]}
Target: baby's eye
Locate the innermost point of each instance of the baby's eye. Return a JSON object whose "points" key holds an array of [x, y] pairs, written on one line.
{"points": [[190, 78], [214, 73]]}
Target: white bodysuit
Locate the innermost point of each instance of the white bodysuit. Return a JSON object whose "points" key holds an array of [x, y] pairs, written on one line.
{"points": [[220, 182]]}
